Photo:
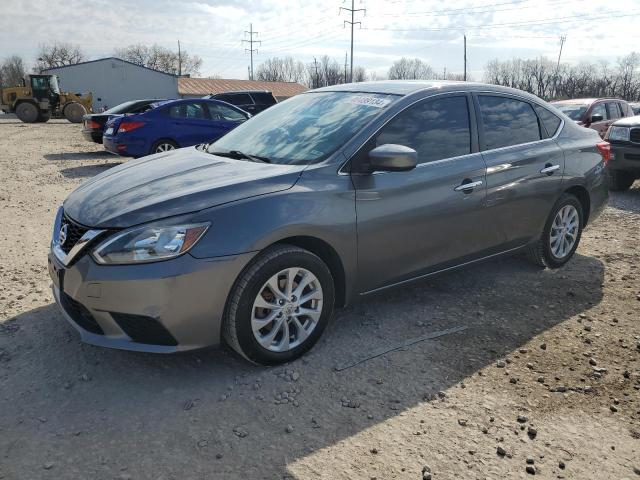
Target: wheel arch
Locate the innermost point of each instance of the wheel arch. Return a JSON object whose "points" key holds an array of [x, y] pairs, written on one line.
{"points": [[582, 194], [328, 255]]}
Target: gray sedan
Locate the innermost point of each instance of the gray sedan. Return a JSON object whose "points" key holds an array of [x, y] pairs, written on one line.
{"points": [[329, 196]]}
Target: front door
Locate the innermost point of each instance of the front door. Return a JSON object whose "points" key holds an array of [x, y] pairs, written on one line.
{"points": [[190, 123], [410, 223]]}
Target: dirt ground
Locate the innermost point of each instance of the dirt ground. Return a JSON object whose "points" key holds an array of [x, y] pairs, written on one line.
{"points": [[546, 371]]}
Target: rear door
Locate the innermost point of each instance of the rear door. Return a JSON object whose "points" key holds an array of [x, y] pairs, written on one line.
{"points": [[411, 223], [189, 122], [524, 167]]}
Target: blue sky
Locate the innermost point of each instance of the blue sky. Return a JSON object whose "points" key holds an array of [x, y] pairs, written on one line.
{"points": [[427, 29]]}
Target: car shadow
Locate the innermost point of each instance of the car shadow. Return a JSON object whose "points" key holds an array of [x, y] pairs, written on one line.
{"points": [[99, 155], [187, 415], [86, 171]]}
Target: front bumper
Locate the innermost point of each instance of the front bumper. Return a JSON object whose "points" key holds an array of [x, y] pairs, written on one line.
{"points": [[161, 307], [625, 156]]}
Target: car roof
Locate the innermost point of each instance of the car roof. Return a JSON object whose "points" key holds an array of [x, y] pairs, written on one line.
{"points": [[585, 101], [408, 87], [240, 91]]}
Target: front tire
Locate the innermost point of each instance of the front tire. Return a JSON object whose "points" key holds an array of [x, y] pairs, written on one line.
{"points": [[561, 234], [620, 181], [74, 112], [27, 112], [279, 306]]}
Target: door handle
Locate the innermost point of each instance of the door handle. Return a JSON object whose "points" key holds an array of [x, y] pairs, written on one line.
{"points": [[549, 169], [464, 187]]}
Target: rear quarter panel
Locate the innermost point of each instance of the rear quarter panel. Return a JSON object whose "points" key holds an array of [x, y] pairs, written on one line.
{"points": [[584, 166]]}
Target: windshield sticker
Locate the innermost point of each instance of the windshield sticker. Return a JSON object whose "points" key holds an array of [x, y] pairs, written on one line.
{"points": [[370, 101]]}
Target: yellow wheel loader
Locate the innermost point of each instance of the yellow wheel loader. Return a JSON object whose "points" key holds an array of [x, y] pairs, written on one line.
{"points": [[41, 99]]}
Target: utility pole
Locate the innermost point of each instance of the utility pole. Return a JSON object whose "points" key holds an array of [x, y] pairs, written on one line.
{"points": [[315, 64], [345, 67], [179, 60], [563, 38], [465, 58], [444, 74], [352, 10], [251, 41]]}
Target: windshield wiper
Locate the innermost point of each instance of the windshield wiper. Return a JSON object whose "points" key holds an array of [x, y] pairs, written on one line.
{"points": [[238, 155]]}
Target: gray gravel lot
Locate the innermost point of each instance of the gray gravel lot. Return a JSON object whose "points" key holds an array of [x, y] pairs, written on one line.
{"points": [[546, 371]]}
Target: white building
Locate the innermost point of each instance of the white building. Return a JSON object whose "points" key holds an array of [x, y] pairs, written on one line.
{"points": [[113, 81]]}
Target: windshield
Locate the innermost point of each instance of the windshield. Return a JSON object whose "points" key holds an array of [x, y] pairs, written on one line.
{"points": [[572, 110], [304, 129], [53, 84]]}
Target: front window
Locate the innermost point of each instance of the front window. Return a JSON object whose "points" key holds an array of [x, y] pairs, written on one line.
{"points": [[307, 128], [574, 111]]}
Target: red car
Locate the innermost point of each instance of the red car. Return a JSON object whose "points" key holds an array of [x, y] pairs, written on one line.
{"points": [[595, 113]]}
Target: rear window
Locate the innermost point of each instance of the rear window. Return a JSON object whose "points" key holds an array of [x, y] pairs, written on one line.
{"points": [[507, 122], [236, 99], [548, 119], [263, 98]]}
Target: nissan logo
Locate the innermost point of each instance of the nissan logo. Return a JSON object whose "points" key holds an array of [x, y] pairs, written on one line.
{"points": [[62, 236]]}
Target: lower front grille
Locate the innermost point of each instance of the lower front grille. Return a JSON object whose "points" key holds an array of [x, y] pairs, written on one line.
{"points": [[634, 135], [143, 329], [80, 315]]}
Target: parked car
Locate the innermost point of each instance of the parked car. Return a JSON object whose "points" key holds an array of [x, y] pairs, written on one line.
{"points": [[595, 113], [93, 124], [252, 101], [624, 167], [635, 106], [327, 197], [169, 125]]}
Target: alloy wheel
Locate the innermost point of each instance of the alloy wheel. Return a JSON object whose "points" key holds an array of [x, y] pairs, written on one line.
{"points": [[164, 147], [287, 309], [564, 231]]}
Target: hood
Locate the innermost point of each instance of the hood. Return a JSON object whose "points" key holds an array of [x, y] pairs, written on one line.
{"points": [[172, 183], [628, 122]]}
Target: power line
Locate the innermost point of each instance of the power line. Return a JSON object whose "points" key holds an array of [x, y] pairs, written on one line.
{"points": [[251, 41], [352, 10]]}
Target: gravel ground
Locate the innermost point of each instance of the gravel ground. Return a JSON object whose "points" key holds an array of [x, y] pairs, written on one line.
{"points": [[545, 378]]}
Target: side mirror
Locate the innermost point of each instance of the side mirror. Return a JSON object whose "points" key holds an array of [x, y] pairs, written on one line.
{"points": [[392, 158], [596, 118]]}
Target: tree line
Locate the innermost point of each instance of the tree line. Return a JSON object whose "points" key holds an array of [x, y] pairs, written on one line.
{"points": [[58, 54], [544, 78]]}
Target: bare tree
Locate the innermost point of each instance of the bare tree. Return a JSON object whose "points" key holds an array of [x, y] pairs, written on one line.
{"points": [[410, 69], [585, 79], [12, 71], [282, 70], [161, 58], [359, 74], [58, 54]]}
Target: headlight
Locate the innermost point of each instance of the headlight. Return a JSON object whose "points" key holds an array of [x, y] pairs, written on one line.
{"points": [[619, 133], [149, 244]]}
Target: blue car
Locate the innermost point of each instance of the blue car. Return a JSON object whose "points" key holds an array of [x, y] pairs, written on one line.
{"points": [[169, 125]]}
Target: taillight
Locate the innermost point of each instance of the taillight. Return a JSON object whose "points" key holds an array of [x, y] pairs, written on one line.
{"points": [[93, 124], [128, 126], [605, 151]]}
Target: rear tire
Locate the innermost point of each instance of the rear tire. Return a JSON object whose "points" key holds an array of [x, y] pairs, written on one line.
{"points": [[27, 112], [548, 250], [246, 327], [74, 112], [620, 181], [163, 146]]}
